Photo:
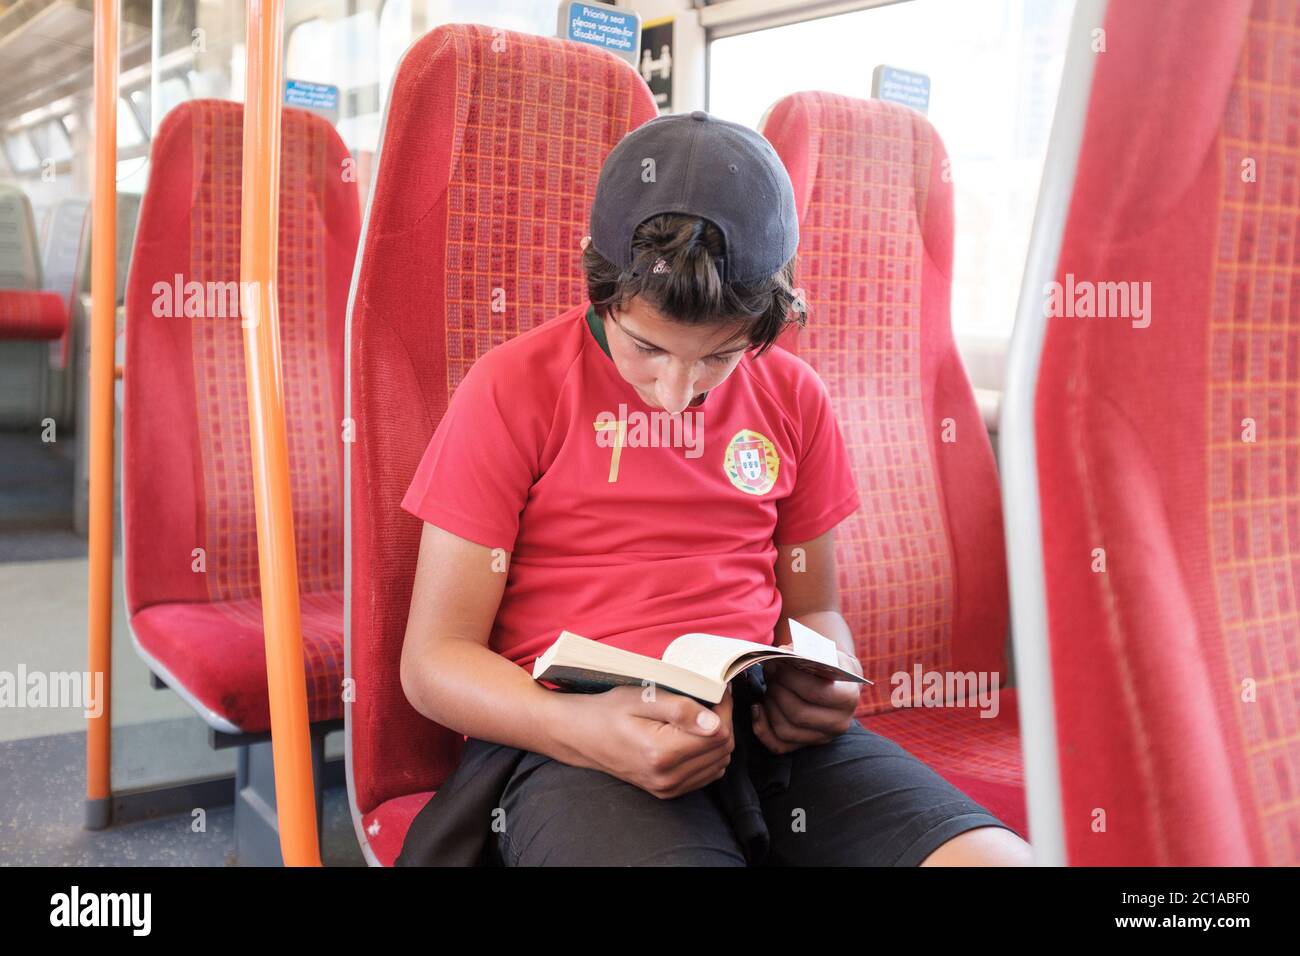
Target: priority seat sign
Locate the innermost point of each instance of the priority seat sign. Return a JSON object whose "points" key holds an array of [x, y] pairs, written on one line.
{"points": [[615, 29]]}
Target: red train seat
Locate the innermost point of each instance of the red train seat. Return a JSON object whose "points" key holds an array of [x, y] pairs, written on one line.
{"points": [[490, 151], [922, 579], [1166, 430], [190, 538], [26, 312]]}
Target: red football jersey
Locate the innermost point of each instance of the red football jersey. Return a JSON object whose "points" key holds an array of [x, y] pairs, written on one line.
{"points": [[625, 524]]}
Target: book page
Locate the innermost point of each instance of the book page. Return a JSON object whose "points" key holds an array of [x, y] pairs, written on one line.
{"points": [[808, 643], [709, 654]]}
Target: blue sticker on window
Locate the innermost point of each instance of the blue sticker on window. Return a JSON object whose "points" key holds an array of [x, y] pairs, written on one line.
{"points": [[609, 28], [312, 96], [901, 86]]}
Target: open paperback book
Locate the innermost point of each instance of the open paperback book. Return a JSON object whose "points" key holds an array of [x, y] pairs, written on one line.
{"points": [[696, 665]]}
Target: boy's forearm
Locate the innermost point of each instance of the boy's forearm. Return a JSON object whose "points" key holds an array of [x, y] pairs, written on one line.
{"points": [[473, 690]]}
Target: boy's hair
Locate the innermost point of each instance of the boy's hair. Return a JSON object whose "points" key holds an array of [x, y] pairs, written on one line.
{"points": [[687, 287]]}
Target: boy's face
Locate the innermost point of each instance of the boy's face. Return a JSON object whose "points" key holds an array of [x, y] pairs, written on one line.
{"points": [[668, 363]]}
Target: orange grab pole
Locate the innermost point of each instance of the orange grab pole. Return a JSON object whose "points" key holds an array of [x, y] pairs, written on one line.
{"points": [[103, 291], [281, 615]]}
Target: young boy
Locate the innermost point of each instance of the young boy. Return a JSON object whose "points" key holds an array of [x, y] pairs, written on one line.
{"points": [[641, 467]]}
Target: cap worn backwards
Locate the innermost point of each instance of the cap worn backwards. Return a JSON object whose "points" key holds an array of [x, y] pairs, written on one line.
{"points": [[696, 164]]}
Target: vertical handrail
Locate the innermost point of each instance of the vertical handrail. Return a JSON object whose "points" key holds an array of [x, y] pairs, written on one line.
{"points": [[277, 558], [103, 292]]}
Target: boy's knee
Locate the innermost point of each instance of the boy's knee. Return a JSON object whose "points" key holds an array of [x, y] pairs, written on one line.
{"points": [[982, 846]]}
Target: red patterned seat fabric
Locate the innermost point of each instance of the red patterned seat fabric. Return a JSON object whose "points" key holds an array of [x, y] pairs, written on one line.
{"points": [[217, 652], [193, 592], [488, 164], [26, 314], [1168, 447], [922, 578]]}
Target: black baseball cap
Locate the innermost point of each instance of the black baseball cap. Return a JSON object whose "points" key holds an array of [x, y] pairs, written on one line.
{"points": [[703, 166]]}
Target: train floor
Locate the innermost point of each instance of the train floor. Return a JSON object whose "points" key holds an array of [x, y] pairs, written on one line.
{"points": [[157, 739], [42, 809]]}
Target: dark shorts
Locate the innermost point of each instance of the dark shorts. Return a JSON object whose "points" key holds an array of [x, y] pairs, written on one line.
{"points": [[858, 800]]}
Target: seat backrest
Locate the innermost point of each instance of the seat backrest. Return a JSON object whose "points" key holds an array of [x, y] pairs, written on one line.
{"points": [[922, 578], [490, 152], [66, 240], [186, 469], [61, 255], [20, 263], [128, 214], [1167, 421]]}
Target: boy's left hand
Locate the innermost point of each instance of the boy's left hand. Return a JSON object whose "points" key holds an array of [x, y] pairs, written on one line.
{"points": [[801, 708]]}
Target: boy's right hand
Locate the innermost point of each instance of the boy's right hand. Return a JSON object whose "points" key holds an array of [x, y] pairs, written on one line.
{"points": [[662, 745]]}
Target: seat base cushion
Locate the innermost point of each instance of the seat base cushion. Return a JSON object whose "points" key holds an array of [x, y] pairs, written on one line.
{"points": [[387, 824], [30, 314], [214, 654], [980, 756]]}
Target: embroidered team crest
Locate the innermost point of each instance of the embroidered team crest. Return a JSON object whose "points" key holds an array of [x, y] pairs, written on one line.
{"points": [[751, 462]]}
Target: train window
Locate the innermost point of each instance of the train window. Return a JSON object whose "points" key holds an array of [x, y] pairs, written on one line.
{"points": [[523, 16], [359, 53], [132, 175], [51, 141], [395, 35], [341, 52], [140, 101], [994, 69], [310, 52], [20, 153], [356, 41], [172, 91], [129, 132], [237, 62]]}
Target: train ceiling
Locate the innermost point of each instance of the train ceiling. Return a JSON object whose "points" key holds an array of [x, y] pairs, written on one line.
{"points": [[47, 48]]}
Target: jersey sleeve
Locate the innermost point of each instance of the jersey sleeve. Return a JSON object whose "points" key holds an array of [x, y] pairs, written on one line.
{"points": [[825, 492], [476, 472]]}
